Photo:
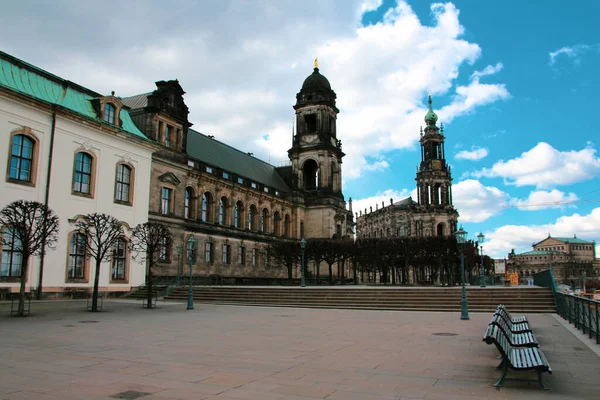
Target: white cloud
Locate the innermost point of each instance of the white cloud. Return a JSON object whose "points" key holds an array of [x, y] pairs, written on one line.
{"points": [[381, 199], [474, 154], [241, 64], [489, 70], [541, 200], [520, 237], [544, 167], [574, 52], [476, 202]]}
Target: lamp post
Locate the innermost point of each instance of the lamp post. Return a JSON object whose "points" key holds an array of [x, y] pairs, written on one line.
{"points": [[302, 247], [480, 239], [191, 248], [461, 240], [179, 264]]}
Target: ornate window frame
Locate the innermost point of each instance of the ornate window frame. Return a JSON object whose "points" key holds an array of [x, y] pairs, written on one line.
{"points": [[92, 183], [131, 183], [86, 261]]}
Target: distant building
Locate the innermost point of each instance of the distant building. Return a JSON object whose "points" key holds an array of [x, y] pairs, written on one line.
{"points": [[432, 214], [569, 258]]}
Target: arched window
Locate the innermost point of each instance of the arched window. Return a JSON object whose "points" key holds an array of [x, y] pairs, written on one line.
{"points": [[12, 256], [264, 220], [76, 269], [277, 223], [82, 180], [119, 260], [311, 175], [252, 218], [287, 222], [21, 158], [123, 184], [188, 204], [223, 211], [206, 207], [109, 113], [238, 215]]}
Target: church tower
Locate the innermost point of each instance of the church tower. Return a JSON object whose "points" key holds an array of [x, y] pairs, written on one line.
{"points": [[316, 157], [434, 181]]}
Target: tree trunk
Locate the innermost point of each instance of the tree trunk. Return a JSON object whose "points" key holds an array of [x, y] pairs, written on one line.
{"points": [[96, 283], [393, 272], [149, 284], [318, 266], [24, 263], [38, 294], [290, 271], [330, 273], [355, 275]]}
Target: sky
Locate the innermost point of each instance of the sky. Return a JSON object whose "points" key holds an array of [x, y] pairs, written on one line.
{"points": [[514, 82]]}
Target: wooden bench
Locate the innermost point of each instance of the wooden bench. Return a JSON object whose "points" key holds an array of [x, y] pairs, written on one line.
{"points": [[523, 339], [517, 358], [514, 320], [515, 327]]}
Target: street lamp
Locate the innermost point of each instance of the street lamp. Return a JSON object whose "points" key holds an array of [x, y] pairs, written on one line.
{"points": [[480, 239], [191, 248], [302, 247], [179, 264], [461, 240]]}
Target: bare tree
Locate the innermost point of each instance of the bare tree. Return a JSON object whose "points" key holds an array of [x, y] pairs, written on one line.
{"points": [[284, 254], [30, 228], [147, 242], [102, 233]]}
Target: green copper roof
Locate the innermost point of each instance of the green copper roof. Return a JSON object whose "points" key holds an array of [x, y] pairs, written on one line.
{"points": [[571, 240], [542, 253], [24, 78], [431, 117], [227, 158]]}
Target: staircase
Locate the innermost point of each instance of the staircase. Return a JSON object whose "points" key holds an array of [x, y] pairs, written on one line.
{"points": [[517, 299], [141, 292]]}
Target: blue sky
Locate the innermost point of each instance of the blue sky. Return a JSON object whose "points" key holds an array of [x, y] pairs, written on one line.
{"points": [[515, 83]]}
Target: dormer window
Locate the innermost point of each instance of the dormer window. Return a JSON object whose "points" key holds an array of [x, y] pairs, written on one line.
{"points": [[109, 113]]}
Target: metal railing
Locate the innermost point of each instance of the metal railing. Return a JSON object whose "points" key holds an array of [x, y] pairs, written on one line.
{"points": [[581, 312]]}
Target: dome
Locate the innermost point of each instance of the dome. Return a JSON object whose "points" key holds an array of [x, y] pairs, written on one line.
{"points": [[316, 81]]}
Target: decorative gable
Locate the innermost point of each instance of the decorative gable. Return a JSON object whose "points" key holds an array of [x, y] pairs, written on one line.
{"points": [[169, 177]]}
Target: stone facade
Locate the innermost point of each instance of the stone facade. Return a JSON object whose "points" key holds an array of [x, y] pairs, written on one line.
{"points": [[232, 203], [433, 213]]}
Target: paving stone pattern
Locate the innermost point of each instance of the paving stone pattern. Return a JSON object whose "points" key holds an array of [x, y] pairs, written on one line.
{"points": [[228, 352]]}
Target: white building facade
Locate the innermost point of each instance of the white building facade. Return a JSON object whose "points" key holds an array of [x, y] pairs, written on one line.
{"points": [[80, 153]]}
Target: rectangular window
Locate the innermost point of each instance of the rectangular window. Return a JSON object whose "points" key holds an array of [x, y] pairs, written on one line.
{"points": [[209, 170], [241, 258], [21, 158], [77, 257], [311, 123], [225, 175], [83, 173], [12, 256], [226, 254], [266, 189], [168, 136], [123, 183], [208, 253], [276, 193], [240, 180], [254, 257], [118, 260], [166, 201], [253, 185], [191, 163]]}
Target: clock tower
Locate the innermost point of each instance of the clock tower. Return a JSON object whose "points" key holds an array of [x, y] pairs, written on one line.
{"points": [[316, 157]]}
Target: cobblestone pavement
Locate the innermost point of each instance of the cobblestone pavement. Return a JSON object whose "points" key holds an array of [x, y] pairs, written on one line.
{"points": [[228, 352]]}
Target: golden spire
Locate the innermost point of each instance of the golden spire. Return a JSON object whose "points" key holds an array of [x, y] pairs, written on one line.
{"points": [[316, 63]]}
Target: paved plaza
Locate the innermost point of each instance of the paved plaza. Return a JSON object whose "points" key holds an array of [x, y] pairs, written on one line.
{"points": [[228, 352]]}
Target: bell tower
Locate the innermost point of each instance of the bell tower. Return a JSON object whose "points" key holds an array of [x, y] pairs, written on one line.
{"points": [[434, 180], [316, 157]]}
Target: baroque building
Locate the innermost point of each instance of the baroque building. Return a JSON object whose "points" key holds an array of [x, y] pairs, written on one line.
{"points": [[570, 259], [433, 214], [78, 152], [233, 203]]}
